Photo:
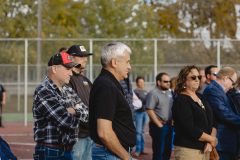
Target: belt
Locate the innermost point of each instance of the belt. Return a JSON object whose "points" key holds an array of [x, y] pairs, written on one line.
{"points": [[169, 122], [129, 149], [59, 146]]}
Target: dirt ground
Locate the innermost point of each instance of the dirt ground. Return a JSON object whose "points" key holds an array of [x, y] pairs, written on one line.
{"points": [[20, 139]]}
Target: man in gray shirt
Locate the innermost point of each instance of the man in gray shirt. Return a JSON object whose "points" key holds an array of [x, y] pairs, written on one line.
{"points": [[158, 105]]}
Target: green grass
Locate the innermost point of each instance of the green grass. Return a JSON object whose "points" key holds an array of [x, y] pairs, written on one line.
{"points": [[16, 117]]}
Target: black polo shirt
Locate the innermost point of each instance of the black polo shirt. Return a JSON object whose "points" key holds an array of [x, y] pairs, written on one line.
{"points": [[107, 101]]}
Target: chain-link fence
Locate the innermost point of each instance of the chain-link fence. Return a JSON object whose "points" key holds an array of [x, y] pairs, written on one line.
{"points": [[23, 68]]}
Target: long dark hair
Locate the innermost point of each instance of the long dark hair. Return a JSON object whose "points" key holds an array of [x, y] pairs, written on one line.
{"points": [[182, 78]]}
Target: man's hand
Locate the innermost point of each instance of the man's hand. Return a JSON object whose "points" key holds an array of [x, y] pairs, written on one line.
{"points": [[109, 138], [71, 110], [207, 148], [154, 118], [214, 141]]}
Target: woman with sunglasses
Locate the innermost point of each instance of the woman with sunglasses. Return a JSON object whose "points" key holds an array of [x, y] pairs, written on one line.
{"points": [[193, 118]]}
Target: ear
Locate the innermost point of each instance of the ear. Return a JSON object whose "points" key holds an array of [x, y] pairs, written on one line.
{"points": [[208, 76], [54, 69], [114, 62], [158, 82]]}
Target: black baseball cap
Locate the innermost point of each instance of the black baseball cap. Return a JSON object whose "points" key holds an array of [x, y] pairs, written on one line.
{"points": [[62, 58], [78, 50]]}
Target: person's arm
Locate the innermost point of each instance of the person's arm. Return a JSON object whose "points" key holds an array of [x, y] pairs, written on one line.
{"points": [[109, 138], [137, 103], [208, 138], [47, 103], [220, 106], [154, 118], [183, 117], [151, 102], [4, 98]]}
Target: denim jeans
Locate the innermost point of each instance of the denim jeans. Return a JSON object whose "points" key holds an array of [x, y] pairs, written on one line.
{"points": [[141, 118], [226, 155], [50, 153], [102, 153], [161, 141], [82, 149]]}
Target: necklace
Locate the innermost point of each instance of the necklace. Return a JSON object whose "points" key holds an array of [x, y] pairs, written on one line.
{"points": [[196, 99], [201, 104]]}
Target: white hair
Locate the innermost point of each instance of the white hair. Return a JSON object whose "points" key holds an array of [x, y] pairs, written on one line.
{"points": [[113, 50]]}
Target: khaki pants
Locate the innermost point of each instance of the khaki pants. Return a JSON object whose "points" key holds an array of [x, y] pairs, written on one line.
{"points": [[183, 153]]}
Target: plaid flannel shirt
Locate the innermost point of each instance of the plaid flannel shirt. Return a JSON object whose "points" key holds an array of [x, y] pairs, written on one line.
{"points": [[52, 122]]}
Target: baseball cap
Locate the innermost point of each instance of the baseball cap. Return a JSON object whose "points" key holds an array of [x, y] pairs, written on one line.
{"points": [[62, 59], [78, 50]]}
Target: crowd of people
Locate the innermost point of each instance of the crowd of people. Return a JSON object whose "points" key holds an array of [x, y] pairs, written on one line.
{"points": [[189, 115]]}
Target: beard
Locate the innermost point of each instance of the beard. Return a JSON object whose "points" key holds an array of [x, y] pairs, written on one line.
{"points": [[164, 88]]}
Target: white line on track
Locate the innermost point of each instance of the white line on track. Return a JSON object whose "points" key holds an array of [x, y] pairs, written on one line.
{"points": [[22, 144], [16, 134]]}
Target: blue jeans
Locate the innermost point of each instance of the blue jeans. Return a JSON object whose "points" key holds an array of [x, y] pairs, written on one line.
{"points": [[50, 153], [82, 149], [102, 153], [141, 118], [226, 155], [161, 141]]}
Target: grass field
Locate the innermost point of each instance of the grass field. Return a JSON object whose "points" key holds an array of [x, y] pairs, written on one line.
{"points": [[16, 117]]}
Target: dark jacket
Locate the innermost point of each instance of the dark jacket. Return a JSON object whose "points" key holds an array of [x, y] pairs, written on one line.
{"points": [[234, 97], [227, 120], [190, 121]]}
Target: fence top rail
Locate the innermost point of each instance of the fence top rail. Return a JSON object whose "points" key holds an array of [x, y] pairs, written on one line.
{"points": [[114, 39]]}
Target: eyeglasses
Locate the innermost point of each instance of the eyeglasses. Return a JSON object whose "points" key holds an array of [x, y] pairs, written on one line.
{"points": [[233, 83], [78, 66], [166, 81], [196, 77]]}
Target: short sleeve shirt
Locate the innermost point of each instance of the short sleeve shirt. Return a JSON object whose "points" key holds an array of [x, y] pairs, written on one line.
{"points": [[161, 102], [107, 101]]}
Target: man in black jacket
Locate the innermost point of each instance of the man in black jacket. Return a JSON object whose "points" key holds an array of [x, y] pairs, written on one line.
{"points": [[82, 149]]}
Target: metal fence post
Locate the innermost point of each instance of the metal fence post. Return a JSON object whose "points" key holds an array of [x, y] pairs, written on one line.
{"points": [[25, 82], [91, 60], [218, 53], [155, 58], [18, 87]]}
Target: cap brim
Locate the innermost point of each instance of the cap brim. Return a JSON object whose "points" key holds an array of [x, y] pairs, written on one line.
{"points": [[71, 65], [83, 54]]}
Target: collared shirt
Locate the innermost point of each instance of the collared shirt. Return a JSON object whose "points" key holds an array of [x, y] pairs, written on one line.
{"points": [[52, 122], [161, 102], [107, 101]]}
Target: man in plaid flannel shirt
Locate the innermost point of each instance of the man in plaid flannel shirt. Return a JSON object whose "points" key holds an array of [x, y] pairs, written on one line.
{"points": [[57, 111]]}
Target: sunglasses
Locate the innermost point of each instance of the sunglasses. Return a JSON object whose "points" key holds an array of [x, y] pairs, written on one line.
{"points": [[166, 81], [214, 73], [196, 77]]}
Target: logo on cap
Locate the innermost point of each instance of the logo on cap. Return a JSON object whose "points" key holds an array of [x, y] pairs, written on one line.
{"points": [[82, 48]]}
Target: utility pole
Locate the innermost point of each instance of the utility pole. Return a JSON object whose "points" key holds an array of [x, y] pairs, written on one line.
{"points": [[39, 40]]}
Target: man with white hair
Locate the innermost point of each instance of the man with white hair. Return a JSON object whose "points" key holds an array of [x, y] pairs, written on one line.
{"points": [[110, 118], [227, 121]]}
